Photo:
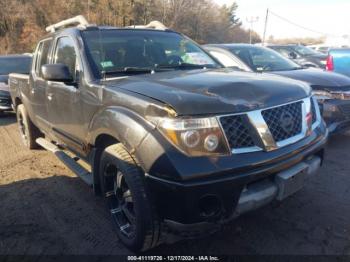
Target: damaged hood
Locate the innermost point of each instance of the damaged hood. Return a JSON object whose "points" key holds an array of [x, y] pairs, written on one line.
{"points": [[319, 79], [199, 92]]}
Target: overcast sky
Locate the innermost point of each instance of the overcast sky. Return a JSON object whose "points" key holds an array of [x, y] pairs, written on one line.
{"points": [[329, 16]]}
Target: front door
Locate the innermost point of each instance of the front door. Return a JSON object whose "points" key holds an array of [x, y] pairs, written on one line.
{"points": [[64, 99]]}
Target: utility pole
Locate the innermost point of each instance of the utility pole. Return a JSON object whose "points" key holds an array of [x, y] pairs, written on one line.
{"points": [[251, 21], [88, 6], [265, 27]]}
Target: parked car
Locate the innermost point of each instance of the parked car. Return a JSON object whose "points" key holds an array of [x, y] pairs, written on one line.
{"points": [[10, 64], [338, 61], [332, 90], [320, 48], [302, 55], [177, 144]]}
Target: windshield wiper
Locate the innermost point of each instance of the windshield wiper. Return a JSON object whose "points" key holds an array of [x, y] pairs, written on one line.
{"points": [[129, 70], [134, 70]]}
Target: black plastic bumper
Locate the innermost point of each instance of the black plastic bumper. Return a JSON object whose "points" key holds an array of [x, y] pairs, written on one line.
{"points": [[213, 197]]}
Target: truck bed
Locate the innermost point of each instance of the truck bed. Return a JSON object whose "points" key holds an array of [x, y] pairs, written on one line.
{"points": [[17, 82]]}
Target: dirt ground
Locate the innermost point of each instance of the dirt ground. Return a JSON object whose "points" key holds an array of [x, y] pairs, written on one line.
{"points": [[46, 210]]}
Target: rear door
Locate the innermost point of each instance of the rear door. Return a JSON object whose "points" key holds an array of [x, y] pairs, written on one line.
{"points": [[37, 92], [64, 99]]}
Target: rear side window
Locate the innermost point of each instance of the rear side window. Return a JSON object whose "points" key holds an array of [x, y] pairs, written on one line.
{"points": [[65, 54], [42, 56]]}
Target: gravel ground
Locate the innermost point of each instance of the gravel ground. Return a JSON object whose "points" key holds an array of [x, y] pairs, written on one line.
{"points": [[47, 210]]}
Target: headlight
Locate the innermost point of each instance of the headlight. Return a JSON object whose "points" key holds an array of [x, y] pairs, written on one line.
{"points": [[195, 136]]}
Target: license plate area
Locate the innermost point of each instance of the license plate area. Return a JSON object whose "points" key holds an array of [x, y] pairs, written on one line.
{"points": [[291, 181]]}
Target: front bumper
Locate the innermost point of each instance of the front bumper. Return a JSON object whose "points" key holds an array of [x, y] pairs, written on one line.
{"points": [[336, 114], [213, 192]]}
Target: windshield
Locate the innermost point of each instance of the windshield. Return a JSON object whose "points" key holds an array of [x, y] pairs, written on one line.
{"points": [[139, 51], [304, 51], [19, 65], [262, 59]]}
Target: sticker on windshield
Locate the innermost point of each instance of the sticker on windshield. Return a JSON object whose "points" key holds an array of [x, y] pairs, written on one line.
{"points": [[197, 59], [106, 64]]}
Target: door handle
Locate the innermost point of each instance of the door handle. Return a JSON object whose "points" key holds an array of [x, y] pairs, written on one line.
{"points": [[49, 96]]}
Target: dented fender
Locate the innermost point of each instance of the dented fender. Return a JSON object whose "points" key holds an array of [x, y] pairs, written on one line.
{"points": [[124, 125]]}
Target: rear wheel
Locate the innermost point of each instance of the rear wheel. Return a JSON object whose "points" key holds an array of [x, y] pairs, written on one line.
{"points": [[29, 132], [128, 199]]}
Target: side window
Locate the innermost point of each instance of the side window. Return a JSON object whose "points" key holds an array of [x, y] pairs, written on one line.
{"points": [[37, 59], [65, 54], [285, 52], [42, 56]]}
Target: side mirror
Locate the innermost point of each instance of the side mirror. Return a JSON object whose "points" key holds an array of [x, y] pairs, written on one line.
{"points": [[56, 73], [292, 55]]}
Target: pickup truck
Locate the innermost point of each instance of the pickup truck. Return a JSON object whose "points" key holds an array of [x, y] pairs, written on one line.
{"points": [[177, 144], [10, 64], [338, 61]]}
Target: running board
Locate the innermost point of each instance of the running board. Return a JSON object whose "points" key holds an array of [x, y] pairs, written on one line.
{"points": [[77, 169]]}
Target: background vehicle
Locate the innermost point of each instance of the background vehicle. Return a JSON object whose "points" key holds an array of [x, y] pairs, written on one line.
{"points": [[173, 139], [10, 64], [320, 48], [302, 55], [338, 61], [331, 89]]}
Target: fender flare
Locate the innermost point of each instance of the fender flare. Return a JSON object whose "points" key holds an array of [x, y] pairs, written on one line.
{"points": [[123, 125]]}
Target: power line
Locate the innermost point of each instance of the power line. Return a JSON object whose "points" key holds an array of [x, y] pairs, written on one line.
{"points": [[300, 26]]}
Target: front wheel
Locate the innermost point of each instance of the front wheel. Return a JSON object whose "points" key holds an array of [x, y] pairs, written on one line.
{"points": [[128, 199], [29, 132]]}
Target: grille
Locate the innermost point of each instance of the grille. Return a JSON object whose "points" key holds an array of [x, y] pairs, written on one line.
{"points": [[285, 121], [313, 111], [345, 109], [237, 133]]}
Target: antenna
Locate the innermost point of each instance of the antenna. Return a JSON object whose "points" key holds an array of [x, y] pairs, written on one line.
{"points": [[80, 20]]}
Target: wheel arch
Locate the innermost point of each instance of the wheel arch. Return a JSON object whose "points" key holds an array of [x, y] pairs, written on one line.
{"points": [[111, 126]]}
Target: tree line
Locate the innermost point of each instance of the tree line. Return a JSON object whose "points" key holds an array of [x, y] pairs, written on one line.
{"points": [[22, 22]]}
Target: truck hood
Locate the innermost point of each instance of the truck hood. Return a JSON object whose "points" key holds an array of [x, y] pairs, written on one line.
{"points": [[213, 91], [319, 79]]}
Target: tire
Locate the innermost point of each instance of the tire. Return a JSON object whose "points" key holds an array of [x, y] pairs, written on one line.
{"points": [[128, 198], [29, 132]]}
